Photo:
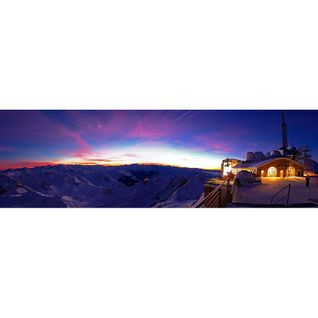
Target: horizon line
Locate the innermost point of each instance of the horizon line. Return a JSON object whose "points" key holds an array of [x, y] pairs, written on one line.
{"points": [[52, 164]]}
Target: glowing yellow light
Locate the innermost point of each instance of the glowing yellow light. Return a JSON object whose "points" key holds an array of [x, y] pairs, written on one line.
{"points": [[144, 154]]}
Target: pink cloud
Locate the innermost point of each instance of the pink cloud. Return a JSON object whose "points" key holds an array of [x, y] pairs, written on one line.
{"points": [[151, 126], [214, 144], [142, 131], [4, 165], [36, 127], [83, 148], [41, 128], [124, 124]]}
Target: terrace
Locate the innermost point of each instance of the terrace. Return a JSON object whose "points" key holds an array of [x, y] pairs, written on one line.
{"points": [[276, 191]]}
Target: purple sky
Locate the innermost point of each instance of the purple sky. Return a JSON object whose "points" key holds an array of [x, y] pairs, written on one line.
{"points": [[191, 138]]}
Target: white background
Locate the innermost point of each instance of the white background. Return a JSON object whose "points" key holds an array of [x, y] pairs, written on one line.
{"points": [[158, 54]]}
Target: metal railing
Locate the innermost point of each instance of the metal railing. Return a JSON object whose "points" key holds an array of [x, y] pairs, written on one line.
{"points": [[288, 186], [218, 198]]}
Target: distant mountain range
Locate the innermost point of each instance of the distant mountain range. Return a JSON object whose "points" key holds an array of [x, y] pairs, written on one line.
{"points": [[100, 186]]}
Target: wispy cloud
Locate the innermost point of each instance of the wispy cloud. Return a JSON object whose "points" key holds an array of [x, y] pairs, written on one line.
{"points": [[182, 116]]}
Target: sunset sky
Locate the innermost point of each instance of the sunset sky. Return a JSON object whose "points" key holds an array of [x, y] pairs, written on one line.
{"points": [[197, 138]]}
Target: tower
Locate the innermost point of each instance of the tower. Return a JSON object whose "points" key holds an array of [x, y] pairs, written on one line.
{"points": [[284, 132]]}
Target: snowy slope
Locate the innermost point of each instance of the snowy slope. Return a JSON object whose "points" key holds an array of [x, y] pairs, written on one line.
{"points": [[100, 186]]}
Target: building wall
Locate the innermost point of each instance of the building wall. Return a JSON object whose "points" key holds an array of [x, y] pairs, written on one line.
{"points": [[281, 164]]}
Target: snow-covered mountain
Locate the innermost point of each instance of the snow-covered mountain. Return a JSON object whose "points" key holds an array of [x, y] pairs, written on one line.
{"points": [[100, 186]]}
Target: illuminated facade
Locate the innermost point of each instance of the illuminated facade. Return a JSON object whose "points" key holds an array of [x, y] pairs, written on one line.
{"points": [[274, 167]]}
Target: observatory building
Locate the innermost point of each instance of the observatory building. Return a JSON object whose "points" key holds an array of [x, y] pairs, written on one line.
{"points": [[283, 162]]}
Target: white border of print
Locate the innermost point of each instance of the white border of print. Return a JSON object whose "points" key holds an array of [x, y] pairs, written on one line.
{"points": [[158, 55]]}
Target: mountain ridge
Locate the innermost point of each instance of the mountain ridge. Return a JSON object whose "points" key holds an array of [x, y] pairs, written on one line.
{"points": [[102, 186]]}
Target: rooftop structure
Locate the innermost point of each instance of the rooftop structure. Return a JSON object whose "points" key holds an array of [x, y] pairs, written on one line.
{"points": [[283, 162]]}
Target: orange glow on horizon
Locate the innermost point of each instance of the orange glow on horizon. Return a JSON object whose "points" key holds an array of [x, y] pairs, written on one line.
{"points": [[25, 164], [33, 164], [140, 154]]}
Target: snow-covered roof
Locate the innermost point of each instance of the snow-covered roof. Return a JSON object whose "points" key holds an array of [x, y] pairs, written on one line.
{"points": [[257, 164]]}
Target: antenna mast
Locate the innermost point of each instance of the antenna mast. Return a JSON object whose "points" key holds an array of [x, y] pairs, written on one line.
{"points": [[284, 132]]}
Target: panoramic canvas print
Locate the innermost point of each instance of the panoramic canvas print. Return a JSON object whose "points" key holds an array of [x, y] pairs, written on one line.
{"points": [[158, 158]]}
